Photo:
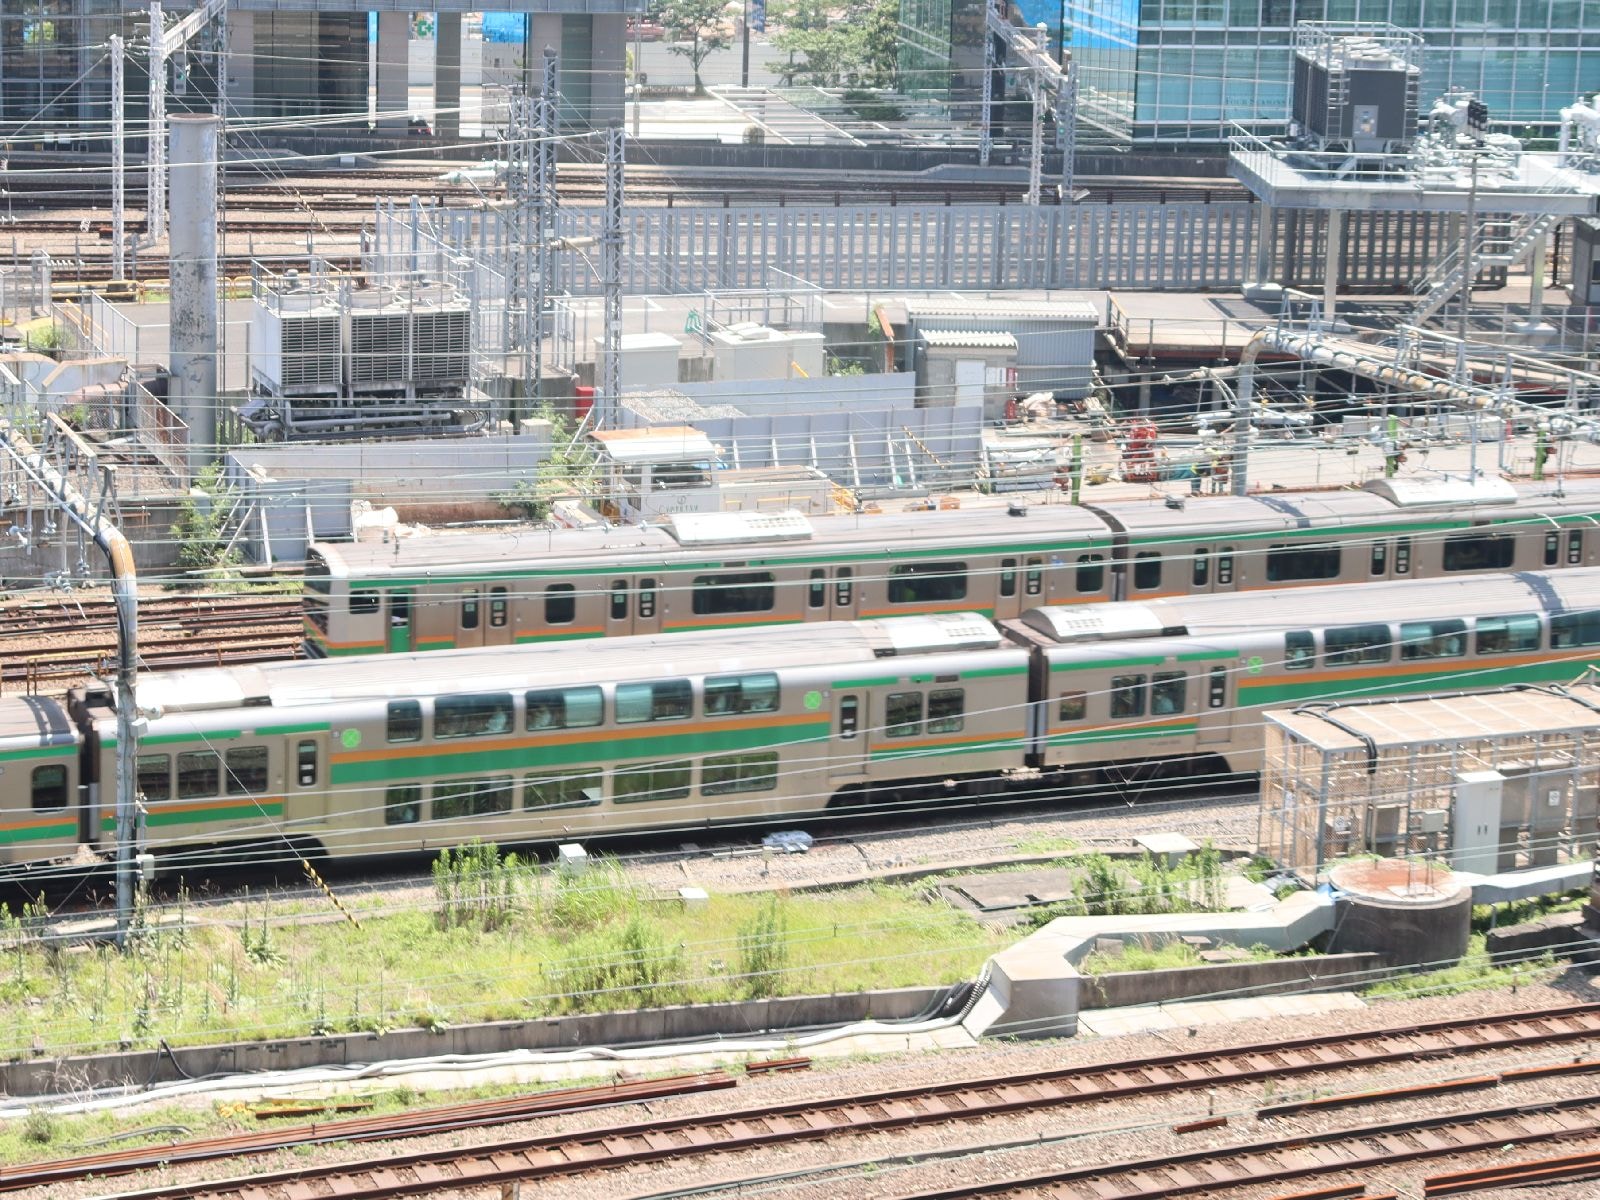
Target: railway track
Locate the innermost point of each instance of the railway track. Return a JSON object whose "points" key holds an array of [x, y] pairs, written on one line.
{"points": [[549, 1156]]}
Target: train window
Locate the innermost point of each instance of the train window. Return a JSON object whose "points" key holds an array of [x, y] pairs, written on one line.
{"points": [[903, 714], [1478, 552], [50, 787], [405, 721], [727, 694], [469, 610], [1008, 577], [1380, 557], [363, 602], [1073, 707], [1507, 635], [733, 592], [1299, 650], [247, 771], [947, 708], [399, 610], [843, 588], [1552, 548], [305, 757], [1169, 693], [849, 716], [1217, 688], [619, 599], [317, 577], [1225, 565], [1574, 547], [927, 583], [1147, 570], [199, 774], [402, 804], [1033, 577], [471, 798], [1575, 629], [647, 597], [1201, 566], [1433, 639], [560, 604], [155, 776], [1127, 695], [1351, 644], [662, 700], [1091, 573], [481, 715], [739, 773], [565, 708], [1402, 556], [817, 589], [653, 781], [1290, 564], [563, 789], [499, 609]]}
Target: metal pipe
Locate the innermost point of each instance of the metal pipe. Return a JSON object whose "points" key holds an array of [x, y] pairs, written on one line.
{"points": [[125, 594], [193, 254]]}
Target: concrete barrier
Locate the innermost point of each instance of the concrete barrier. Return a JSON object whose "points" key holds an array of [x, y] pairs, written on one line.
{"points": [[1123, 989], [783, 1015]]}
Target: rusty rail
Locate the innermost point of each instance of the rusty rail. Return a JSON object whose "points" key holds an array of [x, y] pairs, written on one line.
{"points": [[1518, 1174]]}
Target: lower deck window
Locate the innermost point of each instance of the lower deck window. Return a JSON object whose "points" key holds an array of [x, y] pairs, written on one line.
{"points": [[402, 805], [563, 789], [653, 781], [1073, 707], [199, 774], [155, 777], [1168, 693], [903, 714], [1127, 695], [50, 787], [729, 773], [471, 798], [947, 709], [247, 771]]}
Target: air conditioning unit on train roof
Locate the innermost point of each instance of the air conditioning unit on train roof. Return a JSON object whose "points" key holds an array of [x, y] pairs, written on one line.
{"points": [[730, 528], [1098, 622]]}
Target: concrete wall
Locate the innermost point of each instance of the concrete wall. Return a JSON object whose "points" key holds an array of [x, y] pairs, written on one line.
{"points": [[699, 1021], [1120, 989]]}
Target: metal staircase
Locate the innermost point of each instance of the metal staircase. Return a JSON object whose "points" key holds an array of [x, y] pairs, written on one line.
{"points": [[1497, 243]]}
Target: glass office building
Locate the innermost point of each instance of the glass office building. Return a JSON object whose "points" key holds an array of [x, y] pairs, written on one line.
{"points": [[1188, 70]]}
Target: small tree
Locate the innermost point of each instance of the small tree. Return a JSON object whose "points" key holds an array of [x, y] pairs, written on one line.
{"points": [[695, 27]]}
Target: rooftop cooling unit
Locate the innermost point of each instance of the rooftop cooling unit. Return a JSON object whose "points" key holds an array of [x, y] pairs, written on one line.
{"points": [[377, 347], [441, 343], [1356, 90], [297, 343]]}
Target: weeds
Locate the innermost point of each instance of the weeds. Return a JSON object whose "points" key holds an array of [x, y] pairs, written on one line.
{"points": [[763, 950], [476, 886]]}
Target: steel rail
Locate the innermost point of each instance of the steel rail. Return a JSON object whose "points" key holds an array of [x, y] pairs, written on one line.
{"points": [[677, 1138]]}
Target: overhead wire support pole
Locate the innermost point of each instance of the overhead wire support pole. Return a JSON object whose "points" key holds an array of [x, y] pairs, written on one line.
{"points": [[521, 135], [1036, 134], [155, 223], [546, 204], [609, 402], [119, 161], [986, 115]]}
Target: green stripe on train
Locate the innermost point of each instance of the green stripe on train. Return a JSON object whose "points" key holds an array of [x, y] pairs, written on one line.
{"points": [[1089, 737], [40, 833], [65, 750], [1280, 691], [239, 809], [557, 754], [977, 746]]}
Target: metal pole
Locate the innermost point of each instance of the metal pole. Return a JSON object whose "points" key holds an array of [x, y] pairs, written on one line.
{"points": [[609, 399], [544, 174], [119, 162], [744, 66], [1469, 238], [1036, 144], [156, 157], [986, 114], [638, 59], [1333, 266]]}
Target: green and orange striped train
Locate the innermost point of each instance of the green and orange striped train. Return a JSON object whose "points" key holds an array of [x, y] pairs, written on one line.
{"points": [[391, 754]]}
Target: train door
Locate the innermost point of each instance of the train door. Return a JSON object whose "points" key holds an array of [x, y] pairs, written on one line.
{"points": [[619, 608], [846, 594], [1224, 569], [816, 595], [850, 753], [469, 617], [648, 598], [1006, 604], [305, 779], [497, 616], [401, 621], [1215, 723]]}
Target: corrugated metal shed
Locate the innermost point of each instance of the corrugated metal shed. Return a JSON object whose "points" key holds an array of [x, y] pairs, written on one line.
{"points": [[1055, 339]]}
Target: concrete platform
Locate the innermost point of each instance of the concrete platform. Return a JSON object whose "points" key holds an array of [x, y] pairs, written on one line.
{"points": [[1116, 1022]]}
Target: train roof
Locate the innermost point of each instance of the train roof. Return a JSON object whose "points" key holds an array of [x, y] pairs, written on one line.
{"points": [[1312, 607], [779, 536], [841, 643], [30, 721]]}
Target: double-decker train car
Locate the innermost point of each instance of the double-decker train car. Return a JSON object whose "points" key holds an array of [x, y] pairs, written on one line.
{"points": [[720, 570], [379, 756]]}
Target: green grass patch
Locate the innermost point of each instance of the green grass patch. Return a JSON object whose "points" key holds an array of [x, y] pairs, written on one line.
{"points": [[1143, 956], [1473, 973], [545, 945], [1497, 916]]}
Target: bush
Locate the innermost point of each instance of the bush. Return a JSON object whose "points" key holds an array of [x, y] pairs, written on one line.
{"points": [[633, 964], [763, 951]]}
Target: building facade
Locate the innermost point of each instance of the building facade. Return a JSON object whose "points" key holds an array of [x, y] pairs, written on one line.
{"points": [[1189, 71]]}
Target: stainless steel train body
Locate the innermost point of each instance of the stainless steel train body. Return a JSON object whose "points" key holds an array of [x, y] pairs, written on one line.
{"points": [[745, 570], [410, 753]]}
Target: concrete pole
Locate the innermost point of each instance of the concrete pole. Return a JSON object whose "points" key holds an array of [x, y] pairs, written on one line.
{"points": [[119, 162], [447, 76], [393, 68], [193, 392], [1333, 264], [1536, 280], [1265, 215]]}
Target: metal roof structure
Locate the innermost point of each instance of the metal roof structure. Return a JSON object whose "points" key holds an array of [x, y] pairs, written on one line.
{"points": [[957, 339]]}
